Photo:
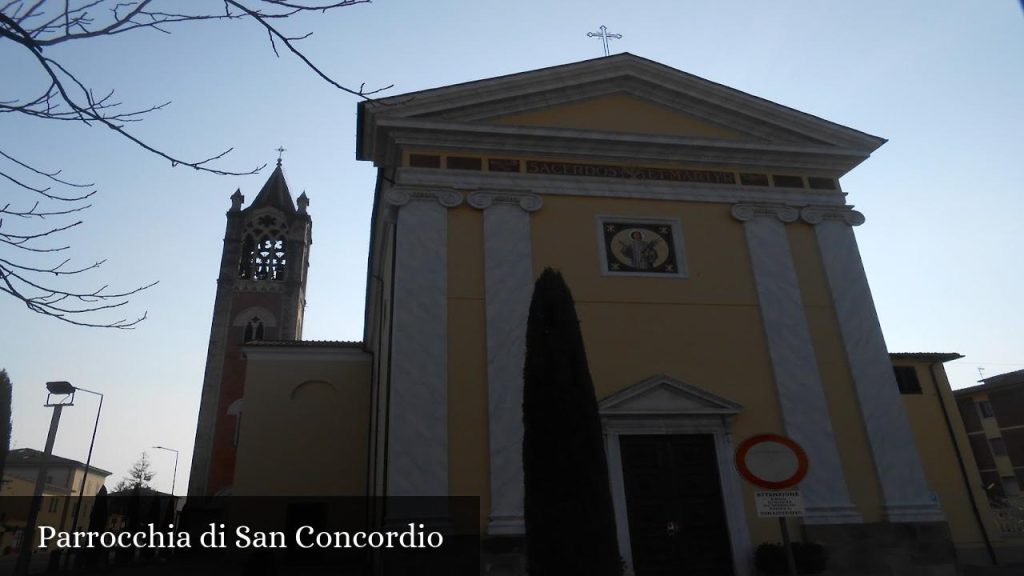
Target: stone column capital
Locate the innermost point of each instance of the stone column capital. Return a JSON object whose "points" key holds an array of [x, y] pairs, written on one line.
{"points": [[401, 196], [745, 212], [844, 214], [484, 199]]}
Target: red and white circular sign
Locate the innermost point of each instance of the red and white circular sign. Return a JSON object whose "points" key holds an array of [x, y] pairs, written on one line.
{"points": [[771, 461]]}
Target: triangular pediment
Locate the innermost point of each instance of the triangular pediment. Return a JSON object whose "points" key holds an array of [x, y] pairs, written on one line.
{"points": [[624, 113], [662, 395], [616, 94]]}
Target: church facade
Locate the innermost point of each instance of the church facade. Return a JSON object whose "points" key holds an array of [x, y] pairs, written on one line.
{"points": [[711, 252]]}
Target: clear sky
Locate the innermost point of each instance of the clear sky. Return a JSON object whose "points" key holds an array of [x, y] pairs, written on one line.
{"points": [[943, 81]]}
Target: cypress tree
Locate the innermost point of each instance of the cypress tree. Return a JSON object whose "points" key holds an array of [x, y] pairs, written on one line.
{"points": [[5, 418], [570, 522]]}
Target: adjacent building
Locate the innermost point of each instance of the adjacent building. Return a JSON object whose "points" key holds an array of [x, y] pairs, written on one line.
{"points": [[993, 415], [62, 486]]}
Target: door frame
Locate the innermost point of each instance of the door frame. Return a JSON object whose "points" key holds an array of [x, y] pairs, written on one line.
{"points": [[678, 409]]}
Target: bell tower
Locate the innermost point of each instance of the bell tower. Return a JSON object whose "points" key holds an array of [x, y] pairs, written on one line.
{"points": [[261, 295]]}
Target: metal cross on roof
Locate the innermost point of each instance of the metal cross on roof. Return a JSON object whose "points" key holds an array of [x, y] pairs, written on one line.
{"points": [[604, 36], [280, 152]]}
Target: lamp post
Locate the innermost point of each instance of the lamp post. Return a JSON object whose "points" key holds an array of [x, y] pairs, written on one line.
{"points": [[65, 393], [175, 477], [88, 460]]}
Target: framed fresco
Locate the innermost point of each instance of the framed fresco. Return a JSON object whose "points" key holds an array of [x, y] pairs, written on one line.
{"points": [[634, 246]]}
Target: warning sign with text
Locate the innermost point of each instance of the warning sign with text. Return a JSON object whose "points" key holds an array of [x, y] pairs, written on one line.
{"points": [[779, 503]]}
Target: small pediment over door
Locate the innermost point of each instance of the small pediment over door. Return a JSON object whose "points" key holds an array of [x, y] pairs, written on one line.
{"points": [[662, 395]]}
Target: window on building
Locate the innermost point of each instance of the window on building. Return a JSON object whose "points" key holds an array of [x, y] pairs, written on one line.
{"points": [[263, 260], [985, 407], [253, 330], [424, 161], [269, 259], [906, 379], [264, 255], [461, 163], [998, 446]]}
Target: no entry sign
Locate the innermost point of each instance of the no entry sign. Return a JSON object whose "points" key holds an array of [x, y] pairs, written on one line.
{"points": [[771, 461]]}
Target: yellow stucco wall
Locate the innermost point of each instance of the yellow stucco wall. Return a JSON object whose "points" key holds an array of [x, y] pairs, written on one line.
{"points": [[621, 113], [468, 445], [705, 329], [304, 412], [939, 457]]}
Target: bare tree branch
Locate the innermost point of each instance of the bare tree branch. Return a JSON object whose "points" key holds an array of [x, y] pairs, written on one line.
{"points": [[25, 271], [37, 27]]}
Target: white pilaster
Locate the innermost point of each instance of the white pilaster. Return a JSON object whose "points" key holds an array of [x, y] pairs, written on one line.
{"points": [[805, 411], [417, 457], [508, 280], [897, 462]]}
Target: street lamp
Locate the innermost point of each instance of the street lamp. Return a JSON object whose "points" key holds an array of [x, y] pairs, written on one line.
{"points": [[175, 477], [65, 396], [88, 459]]}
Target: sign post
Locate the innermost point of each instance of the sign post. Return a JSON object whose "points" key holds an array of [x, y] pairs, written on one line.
{"points": [[778, 464]]}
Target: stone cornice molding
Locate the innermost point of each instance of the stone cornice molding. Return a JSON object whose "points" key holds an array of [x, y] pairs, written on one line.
{"points": [[434, 179], [300, 353], [746, 212], [844, 214], [485, 199], [612, 146], [399, 197]]}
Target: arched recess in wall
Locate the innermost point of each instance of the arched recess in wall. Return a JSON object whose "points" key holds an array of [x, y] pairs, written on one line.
{"points": [[309, 384]]}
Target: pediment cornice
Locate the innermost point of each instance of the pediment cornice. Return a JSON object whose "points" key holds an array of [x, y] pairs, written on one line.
{"points": [[662, 395], [476, 102], [398, 133]]}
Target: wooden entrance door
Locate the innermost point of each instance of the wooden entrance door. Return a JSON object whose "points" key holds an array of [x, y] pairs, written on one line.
{"points": [[677, 523]]}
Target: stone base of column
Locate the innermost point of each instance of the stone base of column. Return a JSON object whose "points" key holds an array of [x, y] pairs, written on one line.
{"points": [[886, 548]]}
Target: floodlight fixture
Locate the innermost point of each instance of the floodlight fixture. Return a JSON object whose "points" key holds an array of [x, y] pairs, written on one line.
{"points": [[64, 391]]}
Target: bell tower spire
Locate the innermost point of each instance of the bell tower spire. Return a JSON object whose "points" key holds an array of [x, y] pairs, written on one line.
{"points": [[261, 295]]}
